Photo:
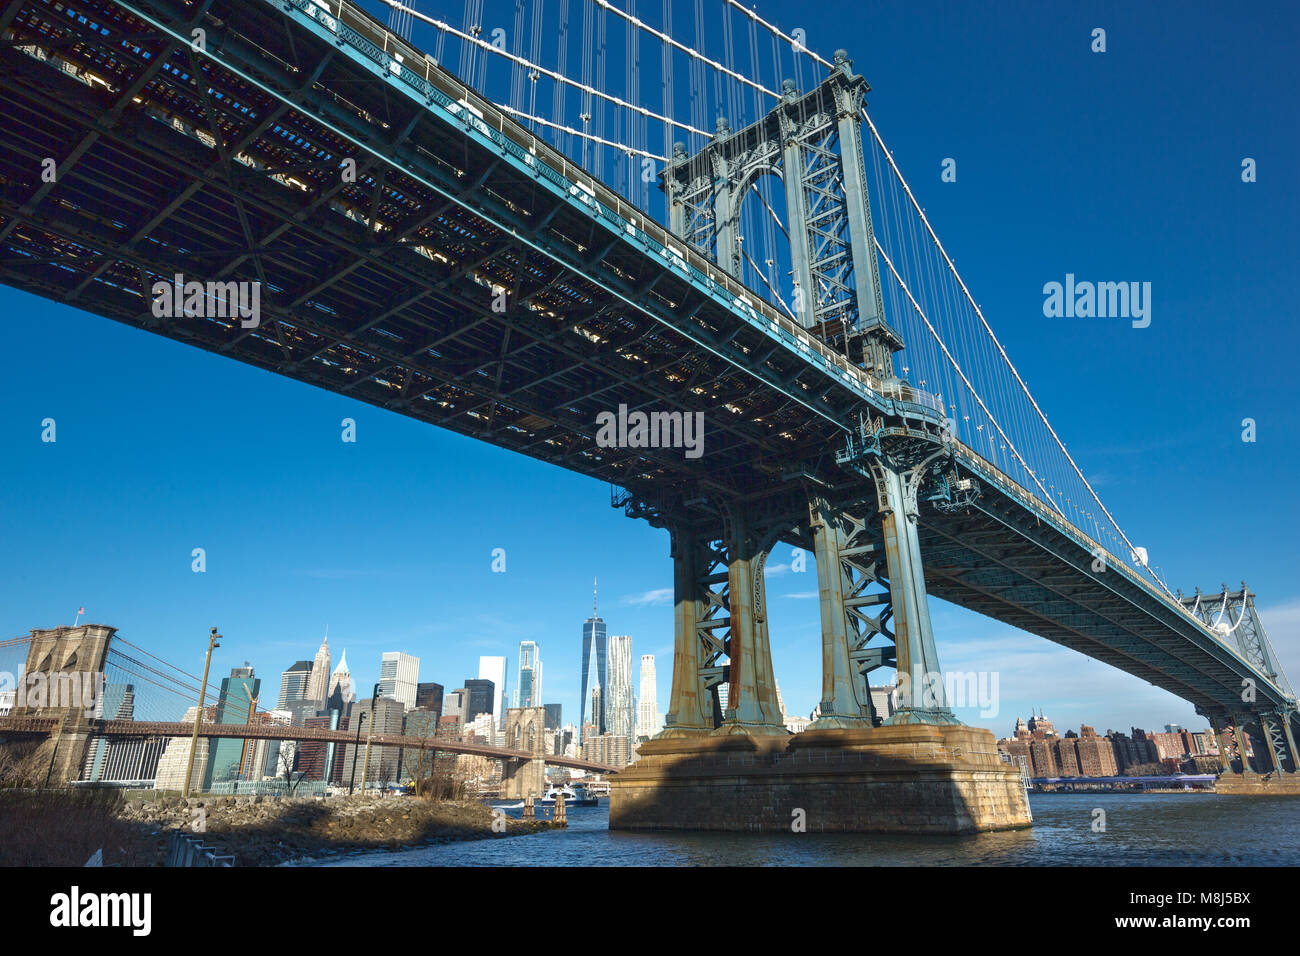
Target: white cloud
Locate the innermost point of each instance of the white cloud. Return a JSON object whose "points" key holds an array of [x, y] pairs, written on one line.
{"points": [[655, 598]]}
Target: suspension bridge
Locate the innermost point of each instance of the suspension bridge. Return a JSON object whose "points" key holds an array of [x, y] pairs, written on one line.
{"points": [[497, 233]]}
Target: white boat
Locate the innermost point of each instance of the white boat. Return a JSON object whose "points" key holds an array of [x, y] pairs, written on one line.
{"points": [[572, 798]]}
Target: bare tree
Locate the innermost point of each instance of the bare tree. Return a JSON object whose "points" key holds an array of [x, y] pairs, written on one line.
{"points": [[286, 759]]}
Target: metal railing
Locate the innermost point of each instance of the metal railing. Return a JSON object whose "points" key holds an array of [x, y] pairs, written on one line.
{"points": [[357, 28], [1009, 485], [186, 850]]}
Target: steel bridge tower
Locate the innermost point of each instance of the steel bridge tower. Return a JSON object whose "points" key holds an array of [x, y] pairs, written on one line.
{"points": [[813, 143], [874, 609]]}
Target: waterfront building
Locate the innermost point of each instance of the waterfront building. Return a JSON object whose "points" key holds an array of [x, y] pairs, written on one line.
{"points": [[1066, 751], [612, 749], [648, 720], [1042, 758], [1040, 724], [175, 756], [552, 716], [1096, 754]]}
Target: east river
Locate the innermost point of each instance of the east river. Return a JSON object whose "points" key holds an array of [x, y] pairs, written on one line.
{"points": [[1195, 829]]}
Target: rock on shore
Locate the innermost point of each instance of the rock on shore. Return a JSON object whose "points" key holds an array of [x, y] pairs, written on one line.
{"points": [[264, 831]]}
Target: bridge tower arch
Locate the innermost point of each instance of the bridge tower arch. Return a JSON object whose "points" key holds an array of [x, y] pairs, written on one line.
{"points": [[63, 678], [813, 143], [525, 778]]}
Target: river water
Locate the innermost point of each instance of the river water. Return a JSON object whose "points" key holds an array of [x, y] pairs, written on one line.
{"points": [[1196, 829]]}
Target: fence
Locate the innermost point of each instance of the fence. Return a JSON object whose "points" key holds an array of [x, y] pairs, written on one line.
{"points": [[186, 850]]}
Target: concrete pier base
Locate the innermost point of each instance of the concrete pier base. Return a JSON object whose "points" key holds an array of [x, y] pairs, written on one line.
{"points": [[1256, 784], [907, 779]]}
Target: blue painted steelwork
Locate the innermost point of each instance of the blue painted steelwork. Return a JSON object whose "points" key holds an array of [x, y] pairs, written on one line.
{"points": [[415, 334]]}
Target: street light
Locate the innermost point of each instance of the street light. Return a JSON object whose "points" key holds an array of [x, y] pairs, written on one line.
{"points": [[370, 732], [356, 743], [213, 641]]}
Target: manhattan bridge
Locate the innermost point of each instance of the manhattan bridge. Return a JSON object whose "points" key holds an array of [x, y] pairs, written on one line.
{"points": [[509, 219]]}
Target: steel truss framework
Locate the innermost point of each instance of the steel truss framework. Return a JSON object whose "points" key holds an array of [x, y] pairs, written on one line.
{"points": [[814, 144], [226, 163]]}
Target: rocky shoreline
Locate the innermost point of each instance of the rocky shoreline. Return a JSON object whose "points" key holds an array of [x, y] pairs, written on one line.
{"points": [[264, 831]]}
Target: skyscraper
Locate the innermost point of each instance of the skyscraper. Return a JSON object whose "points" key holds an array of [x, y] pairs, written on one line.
{"points": [[620, 699], [594, 644], [318, 686], [453, 704], [398, 676], [529, 692], [552, 716], [341, 680], [493, 669], [480, 698], [294, 684], [429, 697], [236, 704], [596, 708], [647, 713]]}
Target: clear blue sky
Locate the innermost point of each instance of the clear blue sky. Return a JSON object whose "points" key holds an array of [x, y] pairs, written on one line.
{"points": [[1122, 165]]}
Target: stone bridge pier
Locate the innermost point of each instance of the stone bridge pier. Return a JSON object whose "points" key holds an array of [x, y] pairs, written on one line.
{"points": [[915, 770], [1274, 770], [524, 778], [63, 678]]}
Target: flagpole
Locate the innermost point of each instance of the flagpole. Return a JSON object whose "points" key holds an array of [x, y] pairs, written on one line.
{"points": [[77, 619]]}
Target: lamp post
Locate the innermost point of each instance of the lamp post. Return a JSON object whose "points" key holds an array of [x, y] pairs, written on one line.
{"points": [[370, 732], [356, 743], [213, 641]]}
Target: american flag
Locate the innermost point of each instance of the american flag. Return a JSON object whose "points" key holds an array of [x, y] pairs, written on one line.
{"points": [[81, 610]]}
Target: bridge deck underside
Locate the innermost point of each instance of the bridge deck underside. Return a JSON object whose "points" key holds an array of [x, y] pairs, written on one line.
{"points": [[381, 288], [998, 559]]}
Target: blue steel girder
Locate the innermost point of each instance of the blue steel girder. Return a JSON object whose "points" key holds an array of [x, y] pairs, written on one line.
{"points": [[396, 371], [1080, 612], [1096, 616]]}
